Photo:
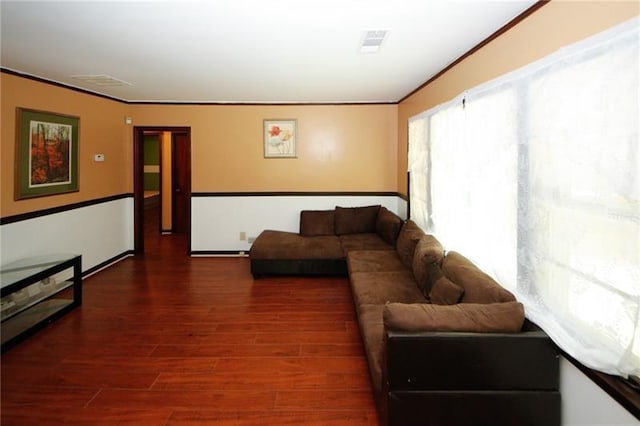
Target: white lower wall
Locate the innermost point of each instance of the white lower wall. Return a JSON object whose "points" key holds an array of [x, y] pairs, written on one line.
{"points": [[98, 232], [585, 404], [217, 221]]}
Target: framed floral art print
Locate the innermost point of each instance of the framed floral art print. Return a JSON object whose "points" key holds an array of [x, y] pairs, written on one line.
{"points": [[280, 137]]}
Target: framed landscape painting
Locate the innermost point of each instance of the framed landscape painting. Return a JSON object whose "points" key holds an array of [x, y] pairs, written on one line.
{"points": [[46, 153], [280, 138]]}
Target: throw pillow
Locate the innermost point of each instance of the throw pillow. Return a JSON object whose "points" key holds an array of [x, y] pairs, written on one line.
{"points": [[317, 222], [388, 225], [356, 220], [505, 317], [445, 292]]}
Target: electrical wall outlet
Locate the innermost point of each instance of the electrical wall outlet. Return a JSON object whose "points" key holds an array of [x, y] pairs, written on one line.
{"points": [[243, 236]]}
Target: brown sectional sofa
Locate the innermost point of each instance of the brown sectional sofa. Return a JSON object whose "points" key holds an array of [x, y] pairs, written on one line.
{"points": [[445, 343]]}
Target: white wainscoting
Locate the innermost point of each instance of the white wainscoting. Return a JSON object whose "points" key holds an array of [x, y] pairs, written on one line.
{"points": [[218, 220], [98, 232], [584, 403]]}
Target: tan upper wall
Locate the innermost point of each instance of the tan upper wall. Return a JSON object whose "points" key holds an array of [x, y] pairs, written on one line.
{"points": [[557, 24], [339, 147], [102, 131]]}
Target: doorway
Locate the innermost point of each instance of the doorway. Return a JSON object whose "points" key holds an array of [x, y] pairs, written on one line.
{"points": [[167, 183]]}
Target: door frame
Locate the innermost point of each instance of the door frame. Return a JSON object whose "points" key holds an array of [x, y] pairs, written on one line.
{"points": [[138, 183]]}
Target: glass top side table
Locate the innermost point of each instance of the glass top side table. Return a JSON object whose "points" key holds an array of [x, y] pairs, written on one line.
{"points": [[35, 291]]}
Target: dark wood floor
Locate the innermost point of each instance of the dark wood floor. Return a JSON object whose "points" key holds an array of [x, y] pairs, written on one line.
{"points": [[165, 339]]}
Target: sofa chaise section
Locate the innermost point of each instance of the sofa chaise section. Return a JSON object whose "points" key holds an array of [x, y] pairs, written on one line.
{"points": [[288, 253], [324, 239]]}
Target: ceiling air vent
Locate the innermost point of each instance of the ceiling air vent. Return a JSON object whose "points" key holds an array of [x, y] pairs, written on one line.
{"points": [[101, 80], [372, 40]]}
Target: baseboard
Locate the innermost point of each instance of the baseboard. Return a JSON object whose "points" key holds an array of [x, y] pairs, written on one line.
{"points": [[107, 263], [219, 253]]}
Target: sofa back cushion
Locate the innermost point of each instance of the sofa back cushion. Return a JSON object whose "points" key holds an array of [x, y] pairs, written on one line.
{"points": [[478, 286], [428, 252], [317, 222], [408, 238], [356, 220], [388, 225]]}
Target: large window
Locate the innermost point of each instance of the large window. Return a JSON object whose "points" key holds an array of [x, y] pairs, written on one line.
{"points": [[535, 176]]}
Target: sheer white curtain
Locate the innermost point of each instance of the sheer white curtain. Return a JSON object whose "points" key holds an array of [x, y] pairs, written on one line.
{"points": [[474, 178], [418, 163], [583, 225], [535, 177]]}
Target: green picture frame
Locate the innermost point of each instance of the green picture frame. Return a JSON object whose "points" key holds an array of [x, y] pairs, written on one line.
{"points": [[47, 146]]}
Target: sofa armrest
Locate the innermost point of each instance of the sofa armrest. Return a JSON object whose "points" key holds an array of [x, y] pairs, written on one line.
{"points": [[470, 361]]}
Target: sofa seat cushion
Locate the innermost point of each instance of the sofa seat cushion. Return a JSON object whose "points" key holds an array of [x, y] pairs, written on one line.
{"points": [[291, 246], [368, 241], [478, 286], [378, 288], [374, 261], [505, 317], [372, 332]]}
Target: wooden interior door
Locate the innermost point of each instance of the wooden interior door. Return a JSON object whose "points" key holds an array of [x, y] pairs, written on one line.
{"points": [[181, 204], [181, 171]]}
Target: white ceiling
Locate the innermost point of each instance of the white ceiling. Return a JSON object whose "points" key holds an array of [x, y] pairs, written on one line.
{"points": [[246, 51]]}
